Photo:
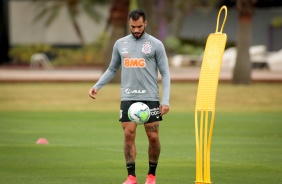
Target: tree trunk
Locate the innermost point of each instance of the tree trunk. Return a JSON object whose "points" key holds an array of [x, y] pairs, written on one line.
{"points": [[242, 70], [169, 16], [72, 9], [4, 31], [117, 28], [150, 7], [115, 33]]}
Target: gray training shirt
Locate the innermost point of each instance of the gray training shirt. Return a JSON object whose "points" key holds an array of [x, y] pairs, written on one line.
{"points": [[140, 60]]}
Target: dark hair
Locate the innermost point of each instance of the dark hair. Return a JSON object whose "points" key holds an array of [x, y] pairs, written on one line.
{"points": [[136, 14]]}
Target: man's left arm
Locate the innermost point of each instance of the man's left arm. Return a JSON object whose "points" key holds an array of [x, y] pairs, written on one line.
{"points": [[163, 66]]}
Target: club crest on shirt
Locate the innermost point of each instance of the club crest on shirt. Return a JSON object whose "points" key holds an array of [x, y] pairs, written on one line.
{"points": [[146, 48]]}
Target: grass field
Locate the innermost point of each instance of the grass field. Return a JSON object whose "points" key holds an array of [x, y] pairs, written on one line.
{"points": [[85, 137]]}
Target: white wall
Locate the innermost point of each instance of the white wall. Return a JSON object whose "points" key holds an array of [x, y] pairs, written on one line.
{"points": [[23, 30]]}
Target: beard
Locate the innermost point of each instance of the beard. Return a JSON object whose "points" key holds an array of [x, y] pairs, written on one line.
{"points": [[137, 35]]}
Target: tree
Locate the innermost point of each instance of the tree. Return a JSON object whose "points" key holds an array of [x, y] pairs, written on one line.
{"points": [[169, 16], [50, 11], [242, 69], [117, 28]]}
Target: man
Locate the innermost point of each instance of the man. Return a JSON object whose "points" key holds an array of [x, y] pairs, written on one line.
{"points": [[141, 56]]}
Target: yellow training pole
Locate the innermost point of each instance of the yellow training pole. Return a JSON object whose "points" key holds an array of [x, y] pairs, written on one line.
{"points": [[205, 102]]}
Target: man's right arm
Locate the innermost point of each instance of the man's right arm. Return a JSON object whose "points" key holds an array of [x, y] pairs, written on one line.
{"points": [[111, 71]]}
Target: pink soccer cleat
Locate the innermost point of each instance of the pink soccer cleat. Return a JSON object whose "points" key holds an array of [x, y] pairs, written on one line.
{"points": [[131, 180], [151, 179]]}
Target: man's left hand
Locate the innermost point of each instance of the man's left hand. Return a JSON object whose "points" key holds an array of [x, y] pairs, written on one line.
{"points": [[164, 109]]}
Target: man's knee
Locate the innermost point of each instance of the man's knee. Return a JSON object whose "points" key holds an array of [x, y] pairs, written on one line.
{"points": [[153, 138], [129, 131]]}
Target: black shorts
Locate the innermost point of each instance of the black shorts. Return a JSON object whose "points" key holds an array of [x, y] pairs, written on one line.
{"points": [[154, 110]]}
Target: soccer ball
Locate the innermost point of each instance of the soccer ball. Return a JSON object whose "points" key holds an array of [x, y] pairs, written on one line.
{"points": [[139, 113]]}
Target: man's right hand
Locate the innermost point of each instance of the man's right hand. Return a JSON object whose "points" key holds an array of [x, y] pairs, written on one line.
{"points": [[93, 92]]}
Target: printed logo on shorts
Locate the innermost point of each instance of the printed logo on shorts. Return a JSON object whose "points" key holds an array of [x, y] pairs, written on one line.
{"points": [[134, 62], [146, 48], [155, 112]]}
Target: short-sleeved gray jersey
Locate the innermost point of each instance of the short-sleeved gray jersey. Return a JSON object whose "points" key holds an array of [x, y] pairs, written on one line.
{"points": [[141, 59]]}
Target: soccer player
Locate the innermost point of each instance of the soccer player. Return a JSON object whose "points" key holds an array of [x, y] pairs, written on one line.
{"points": [[141, 56]]}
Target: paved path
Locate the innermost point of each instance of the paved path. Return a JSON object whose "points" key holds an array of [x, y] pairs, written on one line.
{"points": [[80, 75]]}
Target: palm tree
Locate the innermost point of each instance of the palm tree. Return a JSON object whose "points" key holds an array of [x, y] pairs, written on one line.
{"points": [[242, 69], [50, 10]]}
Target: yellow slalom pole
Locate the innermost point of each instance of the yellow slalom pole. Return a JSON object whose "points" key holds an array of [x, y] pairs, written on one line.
{"points": [[198, 152], [206, 145], [197, 146], [208, 175], [206, 97]]}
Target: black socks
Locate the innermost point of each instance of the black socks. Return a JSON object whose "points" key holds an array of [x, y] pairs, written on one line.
{"points": [[131, 168], [152, 168]]}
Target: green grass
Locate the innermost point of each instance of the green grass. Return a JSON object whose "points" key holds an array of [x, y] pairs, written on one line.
{"points": [[86, 139]]}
